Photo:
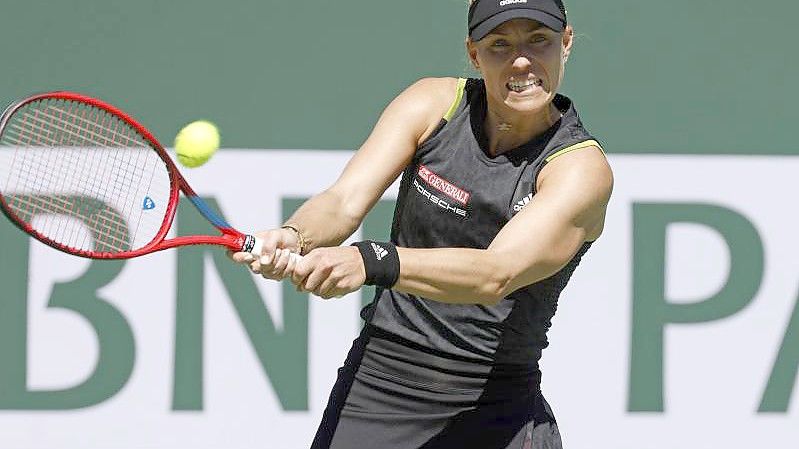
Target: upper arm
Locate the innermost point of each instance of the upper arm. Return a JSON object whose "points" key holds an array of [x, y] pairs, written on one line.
{"points": [[407, 121], [567, 210]]}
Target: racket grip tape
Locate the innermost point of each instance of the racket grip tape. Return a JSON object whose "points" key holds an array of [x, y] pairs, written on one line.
{"points": [[254, 246]]}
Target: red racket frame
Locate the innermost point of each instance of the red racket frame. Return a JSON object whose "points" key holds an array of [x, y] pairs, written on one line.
{"points": [[230, 238]]}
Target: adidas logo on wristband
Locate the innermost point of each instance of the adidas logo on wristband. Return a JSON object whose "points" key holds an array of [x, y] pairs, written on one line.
{"points": [[380, 262], [380, 252]]}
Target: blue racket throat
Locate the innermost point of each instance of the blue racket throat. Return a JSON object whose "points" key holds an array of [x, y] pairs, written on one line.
{"points": [[208, 213]]}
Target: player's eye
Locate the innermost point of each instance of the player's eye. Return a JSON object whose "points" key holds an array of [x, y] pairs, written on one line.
{"points": [[539, 38]]}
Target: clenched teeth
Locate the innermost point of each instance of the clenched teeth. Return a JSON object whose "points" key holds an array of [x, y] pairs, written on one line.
{"points": [[521, 86]]}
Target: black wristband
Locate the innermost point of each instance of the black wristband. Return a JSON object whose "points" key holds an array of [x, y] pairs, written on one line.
{"points": [[381, 261]]}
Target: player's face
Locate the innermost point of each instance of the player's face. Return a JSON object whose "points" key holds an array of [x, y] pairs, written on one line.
{"points": [[522, 63]]}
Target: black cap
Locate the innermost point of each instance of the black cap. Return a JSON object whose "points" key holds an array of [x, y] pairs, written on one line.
{"points": [[485, 15]]}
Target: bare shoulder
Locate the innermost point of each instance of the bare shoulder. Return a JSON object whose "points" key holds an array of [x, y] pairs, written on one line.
{"points": [[586, 166], [439, 93], [582, 182], [583, 179], [428, 100]]}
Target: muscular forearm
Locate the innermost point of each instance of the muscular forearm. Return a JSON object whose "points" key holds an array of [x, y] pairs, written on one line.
{"points": [[325, 220], [461, 275]]}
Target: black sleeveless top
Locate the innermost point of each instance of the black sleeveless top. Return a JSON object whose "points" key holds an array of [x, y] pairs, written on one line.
{"points": [[454, 195]]}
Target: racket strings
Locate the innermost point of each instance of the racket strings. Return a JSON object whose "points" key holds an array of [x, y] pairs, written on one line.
{"points": [[74, 138], [90, 131], [74, 166], [37, 132], [92, 138], [95, 222], [38, 127], [104, 224]]}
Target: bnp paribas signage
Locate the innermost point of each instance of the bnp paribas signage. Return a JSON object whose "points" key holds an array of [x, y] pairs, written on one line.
{"points": [[687, 302]]}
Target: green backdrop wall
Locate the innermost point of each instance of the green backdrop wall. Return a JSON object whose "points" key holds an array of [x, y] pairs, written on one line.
{"points": [[666, 77]]}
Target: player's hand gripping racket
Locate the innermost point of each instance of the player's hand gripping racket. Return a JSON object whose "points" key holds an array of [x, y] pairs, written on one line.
{"points": [[83, 177]]}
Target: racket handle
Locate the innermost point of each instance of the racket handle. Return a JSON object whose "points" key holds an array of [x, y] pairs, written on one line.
{"points": [[258, 246]]}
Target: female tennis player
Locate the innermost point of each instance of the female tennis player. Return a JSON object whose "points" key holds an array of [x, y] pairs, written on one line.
{"points": [[503, 190]]}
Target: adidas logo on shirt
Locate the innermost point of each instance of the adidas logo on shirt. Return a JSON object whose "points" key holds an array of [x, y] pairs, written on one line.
{"points": [[523, 202], [380, 252]]}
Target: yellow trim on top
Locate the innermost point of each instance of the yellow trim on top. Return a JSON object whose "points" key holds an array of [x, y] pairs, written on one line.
{"points": [[577, 146], [458, 98]]}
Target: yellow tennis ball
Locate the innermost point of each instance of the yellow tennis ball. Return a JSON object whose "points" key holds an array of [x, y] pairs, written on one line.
{"points": [[196, 143]]}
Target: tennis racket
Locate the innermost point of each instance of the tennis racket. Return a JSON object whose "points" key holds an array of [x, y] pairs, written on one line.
{"points": [[85, 178]]}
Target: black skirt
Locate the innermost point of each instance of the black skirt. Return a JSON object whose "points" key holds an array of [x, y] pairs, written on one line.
{"points": [[391, 395]]}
